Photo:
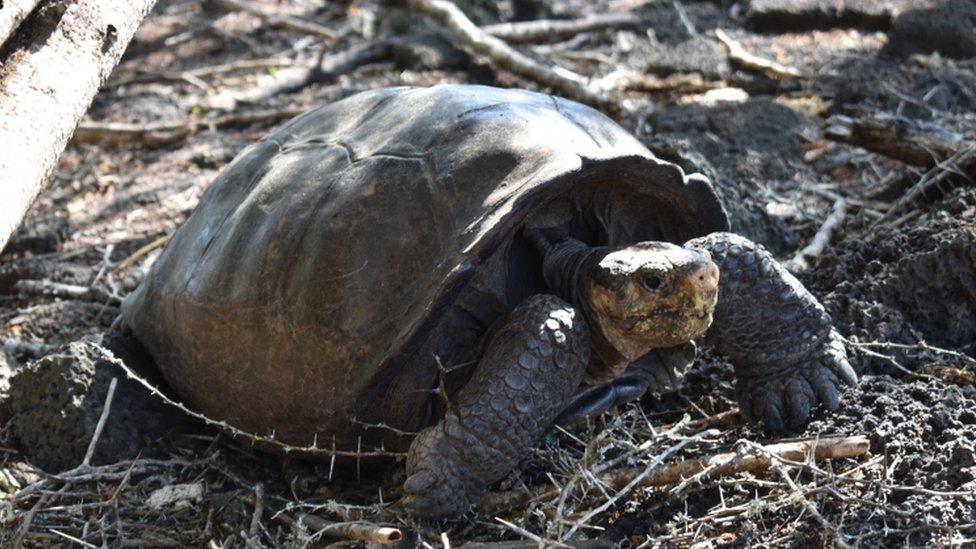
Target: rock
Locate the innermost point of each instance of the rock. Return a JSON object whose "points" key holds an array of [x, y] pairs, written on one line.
{"points": [[56, 403], [176, 495], [948, 28]]}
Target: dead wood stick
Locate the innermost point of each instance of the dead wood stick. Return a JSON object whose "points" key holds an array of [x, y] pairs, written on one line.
{"points": [[129, 261], [282, 21], [100, 426], [962, 163], [354, 530], [624, 79], [59, 289], [312, 449], [46, 87], [554, 29], [161, 133], [562, 80], [323, 69], [255, 526], [734, 462], [635, 480], [718, 465], [819, 242], [739, 55], [200, 72], [900, 138], [12, 14]]}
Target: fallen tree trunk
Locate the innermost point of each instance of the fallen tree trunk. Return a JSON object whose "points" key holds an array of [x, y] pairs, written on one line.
{"points": [[52, 69], [12, 14]]}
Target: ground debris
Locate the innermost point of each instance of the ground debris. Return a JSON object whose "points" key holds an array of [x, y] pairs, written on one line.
{"points": [[896, 275]]}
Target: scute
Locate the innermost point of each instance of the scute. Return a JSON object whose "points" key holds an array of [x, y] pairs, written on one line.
{"points": [[320, 252]]}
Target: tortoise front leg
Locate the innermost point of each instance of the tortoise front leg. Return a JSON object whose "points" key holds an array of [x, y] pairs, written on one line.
{"points": [[787, 356], [659, 371], [526, 376]]}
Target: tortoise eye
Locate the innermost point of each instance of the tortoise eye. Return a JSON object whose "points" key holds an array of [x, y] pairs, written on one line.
{"points": [[653, 283]]}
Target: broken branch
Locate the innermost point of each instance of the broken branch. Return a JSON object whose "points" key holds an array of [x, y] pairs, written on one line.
{"points": [[719, 465], [813, 250], [323, 69], [354, 530], [100, 426], [282, 21], [738, 54], [161, 133], [574, 85], [900, 138], [554, 29]]}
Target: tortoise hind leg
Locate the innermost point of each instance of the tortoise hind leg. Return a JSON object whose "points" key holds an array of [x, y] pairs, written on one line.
{"points": [[527, 375]]}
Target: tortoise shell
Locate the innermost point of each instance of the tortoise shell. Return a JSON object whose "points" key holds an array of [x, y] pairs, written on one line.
{"points": [[335, 261]]}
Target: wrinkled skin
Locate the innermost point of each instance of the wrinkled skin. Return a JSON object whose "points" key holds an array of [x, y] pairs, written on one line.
{"points": [[616, 307]]}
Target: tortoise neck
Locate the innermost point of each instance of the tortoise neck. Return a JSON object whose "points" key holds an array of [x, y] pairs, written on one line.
{"points": [[562, 265]]}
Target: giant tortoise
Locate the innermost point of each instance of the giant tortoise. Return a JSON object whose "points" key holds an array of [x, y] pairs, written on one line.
{"points": [[473, 264]]}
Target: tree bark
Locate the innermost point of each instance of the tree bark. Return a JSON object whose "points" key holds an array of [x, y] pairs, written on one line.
{"points": [[12, 14], [52, 70]]}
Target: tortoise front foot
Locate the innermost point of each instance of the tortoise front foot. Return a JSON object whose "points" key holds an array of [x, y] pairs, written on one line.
{"points": [[784, 397], [787, 355], [659, 371], [526, 377]]}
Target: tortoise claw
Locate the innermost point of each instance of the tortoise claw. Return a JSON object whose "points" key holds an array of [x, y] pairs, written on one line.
{"points": [[785, 399]]}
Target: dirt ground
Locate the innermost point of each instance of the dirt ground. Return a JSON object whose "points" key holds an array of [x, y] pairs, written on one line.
{"points": [[866, 122]]}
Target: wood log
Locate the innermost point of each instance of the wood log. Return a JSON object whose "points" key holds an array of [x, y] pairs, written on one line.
{"points": [[12, 14], [46, 86]]}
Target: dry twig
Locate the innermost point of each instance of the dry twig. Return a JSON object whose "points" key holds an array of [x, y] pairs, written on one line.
{"points": [[100, 426], [311, 450], [554, 29], [738, 54], [961, 163], [717, 466], [323, 69], [819, 242], [62, 290], [900, 138], [359, 530], [138, 254], [562, 80], [276, 20], [636, 480], [161, 133]]}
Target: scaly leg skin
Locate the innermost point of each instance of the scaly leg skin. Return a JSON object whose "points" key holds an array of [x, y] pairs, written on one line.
{"points": [[787, 356], [659, 371], [526, 376]]}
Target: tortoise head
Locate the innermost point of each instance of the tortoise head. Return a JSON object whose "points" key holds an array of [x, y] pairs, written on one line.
{"points": [[649, 295]]}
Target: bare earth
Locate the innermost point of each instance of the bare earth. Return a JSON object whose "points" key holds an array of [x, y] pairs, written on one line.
{"points": [[898, 273]]}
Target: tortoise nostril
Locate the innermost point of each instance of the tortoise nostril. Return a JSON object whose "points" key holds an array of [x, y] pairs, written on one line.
{"points": [[705, 277]]}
